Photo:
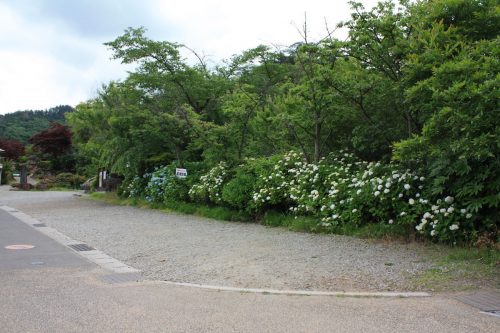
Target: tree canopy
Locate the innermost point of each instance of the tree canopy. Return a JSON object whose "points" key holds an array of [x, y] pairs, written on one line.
{"points": [[415, 83]]}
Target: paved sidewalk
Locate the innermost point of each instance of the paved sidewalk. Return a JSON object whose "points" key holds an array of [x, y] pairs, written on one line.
{"points": [[45, 252]]}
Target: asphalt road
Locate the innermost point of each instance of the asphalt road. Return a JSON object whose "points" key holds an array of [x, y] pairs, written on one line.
{"points": [[50, 288]]}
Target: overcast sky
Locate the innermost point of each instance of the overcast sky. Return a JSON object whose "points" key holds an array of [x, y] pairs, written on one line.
{"points": [[52, 53]]}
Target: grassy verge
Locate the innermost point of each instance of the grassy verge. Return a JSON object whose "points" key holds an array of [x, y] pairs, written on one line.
{"points": [[459, 269], [310, 224], [213, 212]]}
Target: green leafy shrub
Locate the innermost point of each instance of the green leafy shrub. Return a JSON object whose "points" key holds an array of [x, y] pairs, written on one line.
{"points": [[161, 185], [67, 180], [458, 149], [6, 172], [238, 192], [209, 188], [134, 188], [178, 188]]}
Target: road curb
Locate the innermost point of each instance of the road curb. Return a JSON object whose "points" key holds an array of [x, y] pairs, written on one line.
{"points": [[300, 292]]}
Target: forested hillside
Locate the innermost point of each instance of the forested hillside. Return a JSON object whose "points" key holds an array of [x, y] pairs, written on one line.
{"points": [[21, 125], [399, 125]]}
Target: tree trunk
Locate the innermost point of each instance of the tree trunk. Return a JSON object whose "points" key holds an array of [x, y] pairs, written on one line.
{"points": [[317, 137]]}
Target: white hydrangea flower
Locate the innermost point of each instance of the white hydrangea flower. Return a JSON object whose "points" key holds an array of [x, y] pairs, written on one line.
{"points": [[453, 227], [407, 186], [377, 193], [433, 233], [411, 201], [391, 221], [448, 200]]}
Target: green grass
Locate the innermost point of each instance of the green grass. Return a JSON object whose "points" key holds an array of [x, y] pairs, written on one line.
{"points": [[299, 223], [213, 212], [458, 269], [310, 224]]}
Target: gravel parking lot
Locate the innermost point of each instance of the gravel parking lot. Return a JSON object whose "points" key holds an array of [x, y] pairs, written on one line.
{"points": [[184, 248]]}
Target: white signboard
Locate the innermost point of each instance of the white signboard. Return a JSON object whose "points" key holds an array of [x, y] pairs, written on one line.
{"points": [[181, 173]]}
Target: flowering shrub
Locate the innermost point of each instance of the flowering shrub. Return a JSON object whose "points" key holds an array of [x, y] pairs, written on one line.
{"points": [[162, 185], [444, 222], [344, 190], [209, 188], [158, 182], [134, 188], [238, 191], [273, 186], [338, 190]]}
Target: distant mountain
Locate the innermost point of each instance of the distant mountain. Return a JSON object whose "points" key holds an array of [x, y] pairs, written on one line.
{"points": [[21, 125]]}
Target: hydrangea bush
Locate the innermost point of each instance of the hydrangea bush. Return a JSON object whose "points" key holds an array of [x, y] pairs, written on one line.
{"points": [[209, 188], [238, 191], [161, 185], [344, 190], [338, 190], [159, 181], [134, 188]]}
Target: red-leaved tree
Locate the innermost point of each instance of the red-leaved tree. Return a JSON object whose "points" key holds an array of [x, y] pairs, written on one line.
{"points": [[55, 140], [13, 149]]}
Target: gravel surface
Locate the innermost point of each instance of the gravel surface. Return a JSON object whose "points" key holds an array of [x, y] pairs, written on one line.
{"points": [[184, 248]]}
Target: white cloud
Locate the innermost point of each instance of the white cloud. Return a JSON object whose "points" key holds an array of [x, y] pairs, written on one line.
{"points": [[52, 53], [221, 28], [42, 65]]}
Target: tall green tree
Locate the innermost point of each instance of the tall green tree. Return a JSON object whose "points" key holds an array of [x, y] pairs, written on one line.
{"points": [[452, 76]]}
